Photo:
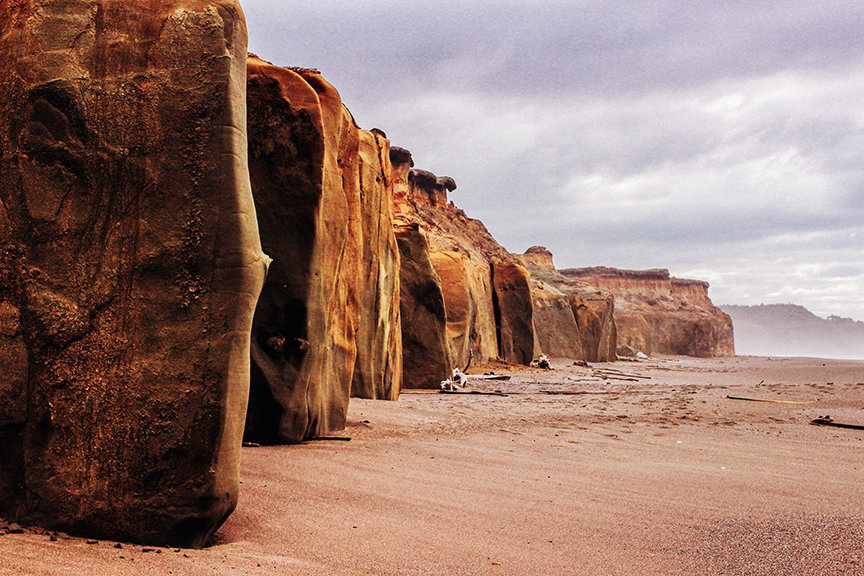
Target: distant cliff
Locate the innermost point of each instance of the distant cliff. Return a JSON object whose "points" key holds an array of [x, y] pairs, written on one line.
{"points": [[659, 314], [791, 330]]}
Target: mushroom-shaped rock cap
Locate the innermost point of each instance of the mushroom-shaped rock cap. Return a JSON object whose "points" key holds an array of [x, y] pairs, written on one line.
{"points": [[423, 179], [447, 182], [400, 157]]}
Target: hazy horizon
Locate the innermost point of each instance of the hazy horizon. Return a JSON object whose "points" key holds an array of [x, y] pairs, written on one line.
{"points": [[791, 330], [724, 142]]}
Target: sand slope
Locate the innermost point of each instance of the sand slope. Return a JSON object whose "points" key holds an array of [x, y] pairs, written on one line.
{"points": [[678, 480]]}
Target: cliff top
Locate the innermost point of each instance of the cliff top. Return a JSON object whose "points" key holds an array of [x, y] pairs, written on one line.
{"points": [[607, 272]]}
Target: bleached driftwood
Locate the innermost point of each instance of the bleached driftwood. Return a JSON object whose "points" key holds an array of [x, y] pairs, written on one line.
{"points": [[541, 362], [458, 378]]}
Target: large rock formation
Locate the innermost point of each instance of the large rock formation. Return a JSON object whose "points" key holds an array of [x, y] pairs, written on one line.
{"points": [[378, 370], [573, 319], [514, 318], [328, 315], [658, 314], [492, 307], [482, 318], [462, 252], [426, 356], [129, 265]]}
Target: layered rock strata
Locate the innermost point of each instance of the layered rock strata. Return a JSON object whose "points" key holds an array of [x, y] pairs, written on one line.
{"points": [[327, 322], [573, 318], [129, 265], [659, 314]]}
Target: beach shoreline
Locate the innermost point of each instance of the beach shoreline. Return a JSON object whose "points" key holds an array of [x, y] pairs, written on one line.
{"points": [[620, 468]]}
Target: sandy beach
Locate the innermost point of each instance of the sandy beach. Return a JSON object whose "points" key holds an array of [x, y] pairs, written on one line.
{"points": [[656, 471]]}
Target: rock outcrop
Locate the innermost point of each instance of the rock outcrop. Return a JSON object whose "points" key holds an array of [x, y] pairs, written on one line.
{"points": [[659, 314], [496, 305], [129, 265], [426, 356], [462, 252], [328, 317], [378, 370], [573, 319], [487, 312], [514, 318]]}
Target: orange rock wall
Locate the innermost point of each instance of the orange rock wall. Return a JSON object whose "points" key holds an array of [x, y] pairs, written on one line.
{"points": [[425, 349], [129, 265], [466, 284], [378, 370], [514, 319], [462, 264], [573, 319], [594, 311], [484, 320], [493, 307], [327, 320], [555, 323], [658, 314]]}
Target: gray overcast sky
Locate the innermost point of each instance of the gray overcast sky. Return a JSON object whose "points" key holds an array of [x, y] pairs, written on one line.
{"points": [[721, 140]]}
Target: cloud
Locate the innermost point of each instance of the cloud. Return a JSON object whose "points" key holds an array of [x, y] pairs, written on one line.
{"points": [[723, 141], [557, 46]]}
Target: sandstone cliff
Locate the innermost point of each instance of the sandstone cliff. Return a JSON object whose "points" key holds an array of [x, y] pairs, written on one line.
{"points": [[463, 288], [327, 322], [573, 318], [659, 314], [129, 265], [378, 370], [426, 356]]}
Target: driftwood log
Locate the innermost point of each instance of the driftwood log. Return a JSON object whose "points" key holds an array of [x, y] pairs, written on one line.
{"points": [[770, 400], [830, 422]]}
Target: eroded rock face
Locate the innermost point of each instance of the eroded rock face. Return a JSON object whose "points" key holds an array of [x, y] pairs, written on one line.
{"points": [[425, 353], [129, 265], [658, 314], [481, 323], [557, 331], [514, 319], [466, 284], [328, 315], [573, 318], [595, 316], [378, 370]]}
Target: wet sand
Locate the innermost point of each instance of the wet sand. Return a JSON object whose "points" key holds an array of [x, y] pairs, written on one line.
{"points": [[674, 478]]}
